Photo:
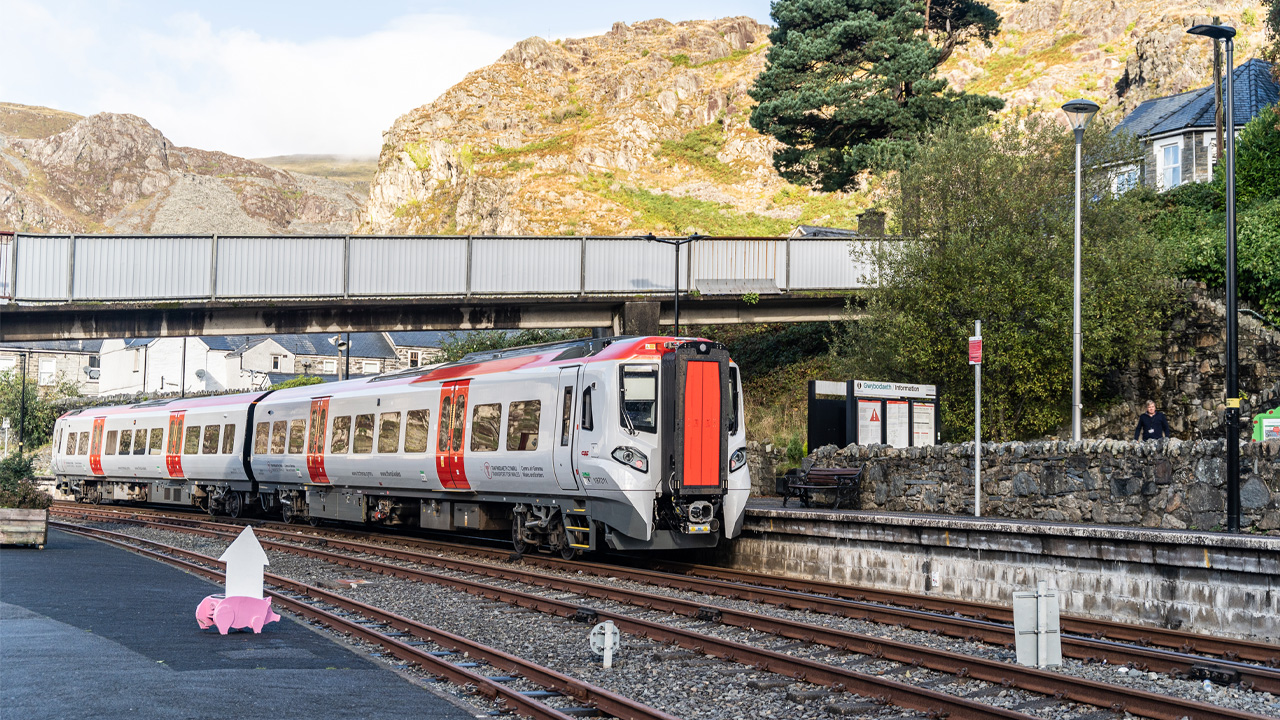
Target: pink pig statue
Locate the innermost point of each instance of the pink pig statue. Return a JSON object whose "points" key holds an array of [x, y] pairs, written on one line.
{"points": [[235, 612]]}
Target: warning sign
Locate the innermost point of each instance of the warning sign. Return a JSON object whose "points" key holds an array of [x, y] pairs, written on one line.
{"points": [[975, 350], [869, 422]]}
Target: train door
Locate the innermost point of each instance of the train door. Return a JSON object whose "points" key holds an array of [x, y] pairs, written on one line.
{"points": [[450, 448], [318, 427], [566, 439], [173, 451], [95, 447], [702, 425]]}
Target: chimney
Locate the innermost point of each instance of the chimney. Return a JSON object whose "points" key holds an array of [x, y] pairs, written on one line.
{"points": [[871, 223]]}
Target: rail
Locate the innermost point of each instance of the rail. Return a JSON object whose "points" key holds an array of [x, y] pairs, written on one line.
{"points": [[208, 268]]}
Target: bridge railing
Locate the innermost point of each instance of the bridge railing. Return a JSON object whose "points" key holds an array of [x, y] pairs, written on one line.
{"points": [[89, 268]]}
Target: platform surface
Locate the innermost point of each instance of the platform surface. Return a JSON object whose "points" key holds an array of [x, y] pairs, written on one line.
{"points": [[88, 630]]}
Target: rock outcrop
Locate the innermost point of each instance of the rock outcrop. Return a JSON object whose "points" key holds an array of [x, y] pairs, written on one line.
{"points": [[117, 173]]}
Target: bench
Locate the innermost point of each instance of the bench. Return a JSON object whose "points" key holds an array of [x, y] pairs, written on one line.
{"points": [[842, 483]]}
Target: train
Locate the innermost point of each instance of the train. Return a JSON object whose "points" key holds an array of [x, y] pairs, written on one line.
{"points": [[625, 443]]}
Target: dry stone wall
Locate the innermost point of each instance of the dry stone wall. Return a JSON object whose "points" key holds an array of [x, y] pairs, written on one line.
{"points": [[1160, 483]]}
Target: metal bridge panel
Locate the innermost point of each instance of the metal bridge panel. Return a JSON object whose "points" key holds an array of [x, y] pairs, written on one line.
{"points": [[632, 266], [43, 267], [739, 259], [142, 268], [6, 266], [280, 266], [526, 265], [828, 265], [382, 266]]}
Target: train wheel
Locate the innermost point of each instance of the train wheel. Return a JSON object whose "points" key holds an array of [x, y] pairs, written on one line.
{"points": [[568, 552], [286, 513], [313, 521], [517, 539], [233, 504]]}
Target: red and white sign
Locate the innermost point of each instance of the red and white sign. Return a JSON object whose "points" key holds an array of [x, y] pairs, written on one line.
{"points": [[975, 350]]}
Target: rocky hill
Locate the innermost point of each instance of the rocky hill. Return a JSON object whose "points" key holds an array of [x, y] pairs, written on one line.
{"points": [[60, 172], [645, 128]]}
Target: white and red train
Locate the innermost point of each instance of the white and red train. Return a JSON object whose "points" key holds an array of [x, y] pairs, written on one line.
{"points": [[633, 443]]}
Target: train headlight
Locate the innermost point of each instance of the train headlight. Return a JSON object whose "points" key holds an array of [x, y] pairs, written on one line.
{"points": [[737, 459], [631, 457]]}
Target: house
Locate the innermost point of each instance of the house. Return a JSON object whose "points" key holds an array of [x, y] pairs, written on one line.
{"points": [[1177, 133], [170, 365], [415, 349], [52, 361]]}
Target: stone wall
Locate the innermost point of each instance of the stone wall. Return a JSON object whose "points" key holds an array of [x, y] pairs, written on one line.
{"points": [[1161, 483]]}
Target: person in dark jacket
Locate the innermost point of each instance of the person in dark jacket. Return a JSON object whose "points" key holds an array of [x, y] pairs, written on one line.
{"points": [[1152, 424]]}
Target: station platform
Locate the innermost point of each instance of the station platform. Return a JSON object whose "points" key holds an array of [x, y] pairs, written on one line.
{"points": [[1198, 581], [88, 630]]}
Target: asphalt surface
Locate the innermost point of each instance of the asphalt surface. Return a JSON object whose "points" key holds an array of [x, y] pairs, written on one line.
{"points": [[88, 630]]}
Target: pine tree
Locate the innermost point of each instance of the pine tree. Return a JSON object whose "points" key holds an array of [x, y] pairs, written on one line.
{"points": [[851, 84]]}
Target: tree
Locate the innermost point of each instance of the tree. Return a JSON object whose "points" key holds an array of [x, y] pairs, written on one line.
{"points": [[991, 222], [458, 345], [41, 411], [850, 84]]}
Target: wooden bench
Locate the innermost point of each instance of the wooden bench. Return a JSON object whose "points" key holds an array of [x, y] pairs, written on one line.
{"points": [[842, 483]]}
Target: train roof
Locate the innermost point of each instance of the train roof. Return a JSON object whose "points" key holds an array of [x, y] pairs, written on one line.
{"points": [[167, 405]]}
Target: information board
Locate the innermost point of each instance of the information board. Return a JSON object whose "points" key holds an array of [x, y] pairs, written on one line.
{"points": [[897, 419], [869, 422], [923, 429]]}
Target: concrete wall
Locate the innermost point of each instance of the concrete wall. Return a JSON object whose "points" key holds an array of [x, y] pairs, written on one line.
{"points": [[158, 366], [1198, 582], [1169, 484]]}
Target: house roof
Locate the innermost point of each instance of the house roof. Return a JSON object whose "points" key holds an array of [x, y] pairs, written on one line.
{"points": [[419, 339], [64, 346], [1253, 88], [363, 345], [814, 231]]}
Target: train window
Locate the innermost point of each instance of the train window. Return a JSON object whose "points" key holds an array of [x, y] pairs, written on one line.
{"points": [[486, 423], [446, 422], [126, 441], [83, 448], [522, 424], [389, 432], [140, 442], [639, 397], [262, 438], [191, 443], [459, 422], [297, 436], [228, 438], [279, 429], [110, 447], [566, 416], [175, 434], [211, 439], [588, 421], [733, 401], [341, 435], [363, 441], [157, 440], [416, 428]]}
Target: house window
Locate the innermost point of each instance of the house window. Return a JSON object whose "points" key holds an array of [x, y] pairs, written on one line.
{"points": [[95, 361], [414, 358], [1124, 180], [137, 360], [8, 363], [330, 367], [48, 369], [1169, 164], [275, 362], [369, 366]]}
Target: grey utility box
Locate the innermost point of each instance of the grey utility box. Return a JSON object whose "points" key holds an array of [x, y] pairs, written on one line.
{"points": [[1035, 627]]}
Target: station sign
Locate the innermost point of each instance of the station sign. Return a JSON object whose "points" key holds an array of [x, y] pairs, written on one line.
{"points": [[867, 412], [871, 388]]}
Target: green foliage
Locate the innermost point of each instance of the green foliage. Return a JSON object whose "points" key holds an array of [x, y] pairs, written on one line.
{"points": [[42, 410], [992, 219], [1015, 71], [699, 148], [851, 85], [1258, 157], [571, 111], [679, 60], [456, 345], [751, 298], [553, 144], [300, 381], [17, 486], [659, 212], [420, 154]]}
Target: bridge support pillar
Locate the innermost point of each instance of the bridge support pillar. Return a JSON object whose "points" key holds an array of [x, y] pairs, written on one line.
{"points": [[638, 318]]}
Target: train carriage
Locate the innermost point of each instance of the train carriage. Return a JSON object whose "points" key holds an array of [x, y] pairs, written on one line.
{"points": [[629, 443]]}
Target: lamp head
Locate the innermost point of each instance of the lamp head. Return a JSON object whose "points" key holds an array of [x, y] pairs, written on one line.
{"points": [[1080, 112], [1217, 32]]}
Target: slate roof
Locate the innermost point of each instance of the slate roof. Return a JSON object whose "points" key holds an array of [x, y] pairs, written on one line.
{"points": [[1254, 88], [814, 231], [419, 339], [63, 346], [363, 345]]}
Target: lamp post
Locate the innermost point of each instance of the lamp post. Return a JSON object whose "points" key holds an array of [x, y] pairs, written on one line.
{"points": [[676, 243], [1079, 112], [22, 407], [1226, 33]]}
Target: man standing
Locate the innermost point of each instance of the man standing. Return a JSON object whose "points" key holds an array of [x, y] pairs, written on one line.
{"points": [[1152, 425]]}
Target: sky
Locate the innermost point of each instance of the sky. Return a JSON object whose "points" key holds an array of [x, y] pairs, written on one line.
{"points": [[265, 78]]}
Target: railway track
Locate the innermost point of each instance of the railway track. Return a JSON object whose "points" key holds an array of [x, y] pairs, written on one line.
{"points": [[1056, 687]]}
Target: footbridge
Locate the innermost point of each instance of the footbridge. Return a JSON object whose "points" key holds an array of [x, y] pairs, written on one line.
{"points": [[103, 286]]}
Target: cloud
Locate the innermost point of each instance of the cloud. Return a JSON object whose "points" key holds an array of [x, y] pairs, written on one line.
{"points": [[240, 92]]}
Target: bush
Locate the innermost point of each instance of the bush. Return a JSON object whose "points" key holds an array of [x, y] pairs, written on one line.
{"points": [[1258, 158], [17, 486]]}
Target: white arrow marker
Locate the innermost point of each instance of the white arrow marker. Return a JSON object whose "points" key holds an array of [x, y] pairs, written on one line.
{"points": [[245, 559]]}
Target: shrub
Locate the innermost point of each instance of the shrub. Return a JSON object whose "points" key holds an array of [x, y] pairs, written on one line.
{"points": [[17, 486]]}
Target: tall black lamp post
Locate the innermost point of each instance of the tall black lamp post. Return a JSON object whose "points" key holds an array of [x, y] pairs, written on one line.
{"points": [[1079, 112], [22, 407], [676, 243], [1226, 33]]}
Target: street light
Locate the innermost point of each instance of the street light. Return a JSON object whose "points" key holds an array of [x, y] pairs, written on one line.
{"points": [[1217, 33], [676, 243], [1079, 113]]}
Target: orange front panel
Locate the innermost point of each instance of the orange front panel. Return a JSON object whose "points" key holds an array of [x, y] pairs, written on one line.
{"points": [[702, 424], [95, 447], [173, 454], [317, 429]]}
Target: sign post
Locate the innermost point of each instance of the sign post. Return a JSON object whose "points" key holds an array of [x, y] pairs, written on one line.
{"points": [[975, 359]]}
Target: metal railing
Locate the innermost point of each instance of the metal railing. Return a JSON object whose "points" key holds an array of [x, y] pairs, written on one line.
{"points": [[93, 268]]}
